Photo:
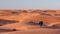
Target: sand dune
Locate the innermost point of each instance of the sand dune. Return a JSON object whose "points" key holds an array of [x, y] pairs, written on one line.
{"points": [[27, 21]]}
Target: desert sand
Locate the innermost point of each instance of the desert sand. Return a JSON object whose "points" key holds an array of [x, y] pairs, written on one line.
{"points": [[27, 21]]}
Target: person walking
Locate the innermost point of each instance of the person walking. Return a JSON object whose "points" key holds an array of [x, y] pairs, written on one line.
{"points": [[41, 23]]}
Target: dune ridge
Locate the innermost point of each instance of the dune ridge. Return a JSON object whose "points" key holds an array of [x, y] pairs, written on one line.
{"points": [[28, 20]]}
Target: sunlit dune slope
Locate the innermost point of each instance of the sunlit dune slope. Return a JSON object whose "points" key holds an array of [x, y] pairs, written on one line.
{"points": [[25, 17]]}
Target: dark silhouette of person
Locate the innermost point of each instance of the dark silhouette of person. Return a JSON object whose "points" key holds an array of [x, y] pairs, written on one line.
{"points": [[41, 23]]}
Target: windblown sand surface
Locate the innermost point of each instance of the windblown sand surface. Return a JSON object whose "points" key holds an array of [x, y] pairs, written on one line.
{"points": [[27, 21]]}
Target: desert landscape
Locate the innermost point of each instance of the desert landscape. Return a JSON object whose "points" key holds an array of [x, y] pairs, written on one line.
{"points": [[29, 21]]}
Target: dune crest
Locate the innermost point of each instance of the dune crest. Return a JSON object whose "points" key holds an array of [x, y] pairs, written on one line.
{"points": [[28, 20]]}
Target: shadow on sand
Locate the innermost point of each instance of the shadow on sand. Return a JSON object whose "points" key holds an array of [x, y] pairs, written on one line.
{"points": [[42, 25], [3, 21], [50, 27], [7, 30]]}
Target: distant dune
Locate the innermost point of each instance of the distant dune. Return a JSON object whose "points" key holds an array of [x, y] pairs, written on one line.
{"points": [[27, 21]]}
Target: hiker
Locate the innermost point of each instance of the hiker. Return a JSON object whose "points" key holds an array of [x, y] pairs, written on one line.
{"points": [[41, 23]]}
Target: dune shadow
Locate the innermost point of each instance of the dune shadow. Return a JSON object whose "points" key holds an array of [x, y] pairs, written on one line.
{"points": [[43, 25], [51, 27], [7, 30], [4, 21], [15, 13], [32, 23]]}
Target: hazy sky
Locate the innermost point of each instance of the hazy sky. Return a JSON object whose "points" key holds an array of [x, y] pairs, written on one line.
{"points": [[29, 4]]}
